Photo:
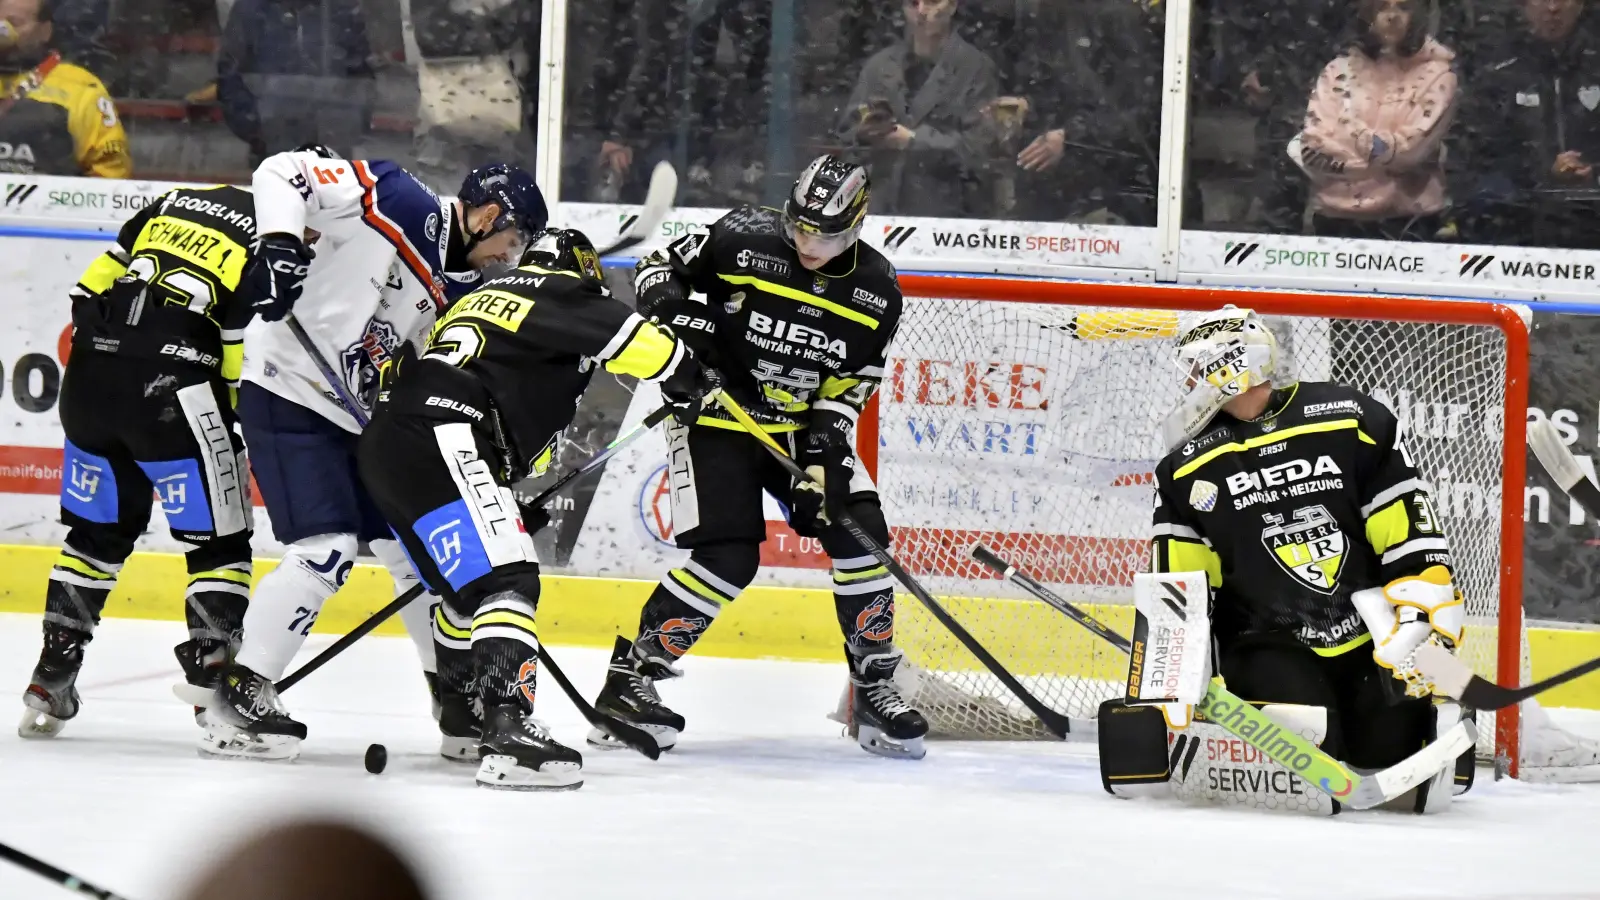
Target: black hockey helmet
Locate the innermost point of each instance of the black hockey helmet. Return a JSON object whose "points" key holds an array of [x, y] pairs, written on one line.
{"points": [[564, 250], [825, 212]]}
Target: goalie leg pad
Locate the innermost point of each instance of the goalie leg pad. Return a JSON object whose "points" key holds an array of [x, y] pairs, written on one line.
{"points": [[1134, 758], [1217, 768]]}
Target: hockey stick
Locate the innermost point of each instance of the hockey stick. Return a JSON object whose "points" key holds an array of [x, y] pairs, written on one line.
{"points": [[191, 693], [1455, 677], [1058, 724], [44, 870], [1559, 463], [1222, 708], [658, 202], [634, 737], [335, 384]]}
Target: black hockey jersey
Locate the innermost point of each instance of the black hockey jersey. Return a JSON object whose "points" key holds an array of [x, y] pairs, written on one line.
{"points": [[786, 339], [515, 356], [1292, 513], [187, 249]]}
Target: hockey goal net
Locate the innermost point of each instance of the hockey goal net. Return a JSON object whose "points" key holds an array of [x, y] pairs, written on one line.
{"points": [[1026, 415]]}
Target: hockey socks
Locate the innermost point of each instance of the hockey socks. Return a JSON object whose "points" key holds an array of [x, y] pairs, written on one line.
{"points": [[517, 750], [288, 599]]}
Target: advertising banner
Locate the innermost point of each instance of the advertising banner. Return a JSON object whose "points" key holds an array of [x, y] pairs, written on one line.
{"points": [[1561, 578], [984, 433]]}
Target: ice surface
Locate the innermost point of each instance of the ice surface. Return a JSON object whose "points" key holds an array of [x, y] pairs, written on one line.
{"points": [[762, 798]]}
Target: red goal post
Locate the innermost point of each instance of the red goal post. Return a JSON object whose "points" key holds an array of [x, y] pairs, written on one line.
{"points": [[1017, 348]]}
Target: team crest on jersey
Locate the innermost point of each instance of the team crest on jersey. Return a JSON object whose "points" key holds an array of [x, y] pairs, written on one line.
{"points": [[363, 360], [734, 303], [1203, 495], [1308, 544], [819, 285]]}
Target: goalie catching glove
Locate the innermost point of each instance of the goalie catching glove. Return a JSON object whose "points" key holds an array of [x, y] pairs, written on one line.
{"points": [[1405, 614], [829, 458]]}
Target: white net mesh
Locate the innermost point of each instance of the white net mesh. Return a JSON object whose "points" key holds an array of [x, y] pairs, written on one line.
{"points": [[1035, 429]]}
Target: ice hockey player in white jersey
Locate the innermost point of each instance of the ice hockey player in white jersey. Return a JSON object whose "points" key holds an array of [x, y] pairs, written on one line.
{"points": [[390, 256]]}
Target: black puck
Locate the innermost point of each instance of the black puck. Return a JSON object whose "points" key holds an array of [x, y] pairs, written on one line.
{"points": [[377, 758]]}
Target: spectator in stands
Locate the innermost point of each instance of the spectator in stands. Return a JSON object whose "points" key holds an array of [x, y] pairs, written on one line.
{"points": [[634, 95], [1532, 123], [55, 118], [1373, 144], [80, 33], [920, 106], [295, 72], [471, 108], [1253, 66], [1086, 81], [662, 87]]}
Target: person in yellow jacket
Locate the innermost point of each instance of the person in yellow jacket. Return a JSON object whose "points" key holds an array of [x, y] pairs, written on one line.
{"points": [[55, 118]]}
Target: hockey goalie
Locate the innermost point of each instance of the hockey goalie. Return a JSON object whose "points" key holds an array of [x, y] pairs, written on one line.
{"points": [[1327, 565]]}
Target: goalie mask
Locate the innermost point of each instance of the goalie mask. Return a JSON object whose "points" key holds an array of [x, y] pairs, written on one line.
{"points": [[1222, 356]]}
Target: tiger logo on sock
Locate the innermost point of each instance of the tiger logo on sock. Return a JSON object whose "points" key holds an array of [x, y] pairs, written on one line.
{"points": [[876, 622], [677, 635]]}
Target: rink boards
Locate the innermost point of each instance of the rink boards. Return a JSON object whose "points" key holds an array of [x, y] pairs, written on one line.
{"points": [[766, 622]]}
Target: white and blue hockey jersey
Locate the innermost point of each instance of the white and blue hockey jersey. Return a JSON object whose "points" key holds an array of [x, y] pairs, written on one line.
{"points": [[378, 279]]}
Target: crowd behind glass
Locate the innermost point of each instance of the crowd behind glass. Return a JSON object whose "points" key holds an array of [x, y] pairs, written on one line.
{"points": [[1456, 120]]}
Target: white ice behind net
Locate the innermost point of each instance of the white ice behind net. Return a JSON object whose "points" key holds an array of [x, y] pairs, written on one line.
{"points": [[1034, 428]]}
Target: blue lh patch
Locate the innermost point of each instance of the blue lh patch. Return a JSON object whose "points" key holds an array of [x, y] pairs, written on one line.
{"points": [[452, 540], [88, 486], [182, 492]]}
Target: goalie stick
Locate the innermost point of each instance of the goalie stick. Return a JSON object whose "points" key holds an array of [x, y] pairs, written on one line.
{"points": [[44, 870], [1455, 677], [1058, 724], [1318, 769]]}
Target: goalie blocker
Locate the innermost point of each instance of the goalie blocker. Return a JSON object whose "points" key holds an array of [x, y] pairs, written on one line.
{"points": [[1153, 742]]}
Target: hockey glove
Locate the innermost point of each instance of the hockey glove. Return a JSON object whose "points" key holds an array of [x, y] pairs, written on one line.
{"points": [[1407, 612], [689, 387], [534, 518], [275, 276], [829, 457]]}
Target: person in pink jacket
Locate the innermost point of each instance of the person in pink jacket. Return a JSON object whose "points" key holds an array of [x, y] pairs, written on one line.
{"points": [[1373, 144]]}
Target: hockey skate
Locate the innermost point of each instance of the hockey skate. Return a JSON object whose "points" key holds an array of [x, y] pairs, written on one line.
{"points": [[630, 695], [519, 754], [460, 726], [248, 721], [52, 695], [882, 721], [202, 662]]}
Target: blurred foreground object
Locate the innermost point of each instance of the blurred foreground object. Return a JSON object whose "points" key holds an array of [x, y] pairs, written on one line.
{"points": [[309, 861]]}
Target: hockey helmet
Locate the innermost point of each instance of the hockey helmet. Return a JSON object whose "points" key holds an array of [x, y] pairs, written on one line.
{"points": [[825, 212], [564, 250], [1229, 350], [514, 191]]}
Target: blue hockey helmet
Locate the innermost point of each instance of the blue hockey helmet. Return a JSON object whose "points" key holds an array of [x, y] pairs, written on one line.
{"points": [[514, 191]]}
